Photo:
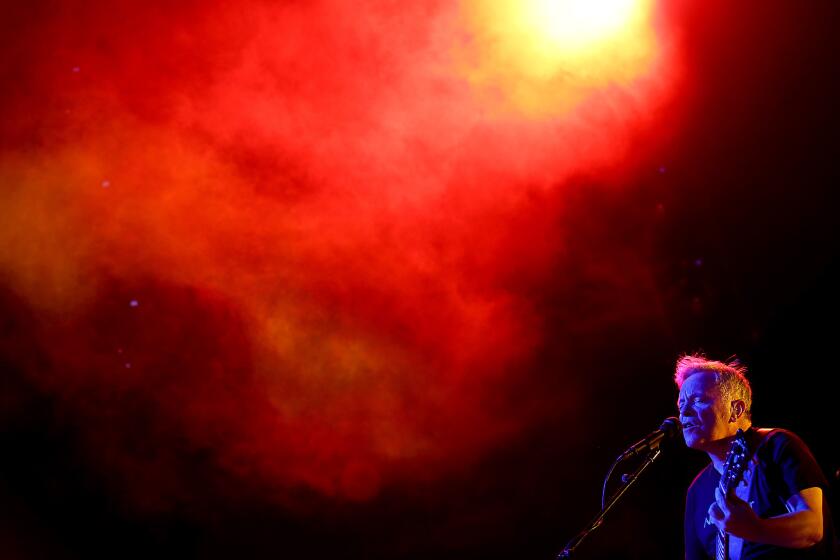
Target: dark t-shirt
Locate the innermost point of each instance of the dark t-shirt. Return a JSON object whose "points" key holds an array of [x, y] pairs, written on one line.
{"points": [[783, 466]]}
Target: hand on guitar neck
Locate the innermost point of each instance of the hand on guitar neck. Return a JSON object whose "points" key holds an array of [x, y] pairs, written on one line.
{"points": [[729, 513], [732, 515]]}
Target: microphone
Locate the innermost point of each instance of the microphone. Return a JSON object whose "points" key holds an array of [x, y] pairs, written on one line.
{"points": [[667, 430]]}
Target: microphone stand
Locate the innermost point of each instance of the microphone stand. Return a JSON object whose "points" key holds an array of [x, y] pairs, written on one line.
{"points": [[595, 523]]}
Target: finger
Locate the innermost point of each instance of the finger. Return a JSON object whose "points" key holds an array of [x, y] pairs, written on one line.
{"points": [[713, 517], [715, 513], [720, 500]]}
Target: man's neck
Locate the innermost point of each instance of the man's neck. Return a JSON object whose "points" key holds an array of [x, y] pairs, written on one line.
{"points": [[718, 454], [718, 460]]}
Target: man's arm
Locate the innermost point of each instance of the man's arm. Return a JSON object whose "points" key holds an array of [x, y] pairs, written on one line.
{"points": [[801, 527]]}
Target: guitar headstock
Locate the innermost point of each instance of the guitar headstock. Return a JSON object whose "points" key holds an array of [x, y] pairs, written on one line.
{"points": [[736, 462]]}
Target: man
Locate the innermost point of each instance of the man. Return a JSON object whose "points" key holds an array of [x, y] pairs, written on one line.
{"points": [[778, 508]]}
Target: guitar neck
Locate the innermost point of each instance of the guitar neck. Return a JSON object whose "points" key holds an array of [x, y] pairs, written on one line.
{"points": [[722, 548], [722, 540], [736, 460]]}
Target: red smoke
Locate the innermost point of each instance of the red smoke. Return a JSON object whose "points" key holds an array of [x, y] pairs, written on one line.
{"points": [[297, 238]]}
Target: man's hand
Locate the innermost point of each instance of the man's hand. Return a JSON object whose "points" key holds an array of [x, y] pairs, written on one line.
{"points": [[733, 515], [801, 527]]}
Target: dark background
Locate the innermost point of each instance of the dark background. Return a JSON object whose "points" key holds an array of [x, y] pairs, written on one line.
{"points": [[744, 241]]}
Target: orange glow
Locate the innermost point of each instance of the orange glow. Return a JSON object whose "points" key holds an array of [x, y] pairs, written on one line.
{"points": [[333, 229], [543, 57]]}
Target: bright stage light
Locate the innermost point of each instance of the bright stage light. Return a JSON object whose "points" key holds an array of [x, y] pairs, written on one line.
{"points": [[576, 23], [544, 56]]}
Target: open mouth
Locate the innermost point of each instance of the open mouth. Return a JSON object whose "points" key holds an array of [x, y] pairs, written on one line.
{"points": [[690, 426]]}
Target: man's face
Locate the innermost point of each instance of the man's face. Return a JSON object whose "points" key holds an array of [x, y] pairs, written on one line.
{"points": [[703, 412]]}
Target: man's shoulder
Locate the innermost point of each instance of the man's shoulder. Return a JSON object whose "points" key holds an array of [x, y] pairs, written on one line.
{"points": [[765, 432], [771, 440], [760, 437]]}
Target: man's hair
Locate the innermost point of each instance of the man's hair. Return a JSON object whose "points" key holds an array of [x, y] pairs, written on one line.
{"points": [[730, 376]]}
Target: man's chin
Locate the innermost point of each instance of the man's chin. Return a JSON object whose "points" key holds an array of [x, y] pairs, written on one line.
{"points": [[694, 443]]}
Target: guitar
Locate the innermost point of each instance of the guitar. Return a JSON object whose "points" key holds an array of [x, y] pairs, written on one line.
{"points": [[733, 469]]}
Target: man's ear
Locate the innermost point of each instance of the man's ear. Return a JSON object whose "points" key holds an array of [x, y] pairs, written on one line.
{"points": [[738, 409]]}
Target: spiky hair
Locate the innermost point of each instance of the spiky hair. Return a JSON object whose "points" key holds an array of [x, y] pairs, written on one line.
{"points": [[730, 376]]}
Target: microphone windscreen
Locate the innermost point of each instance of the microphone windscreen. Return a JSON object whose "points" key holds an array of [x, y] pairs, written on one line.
{"points": [[671, 426]]}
